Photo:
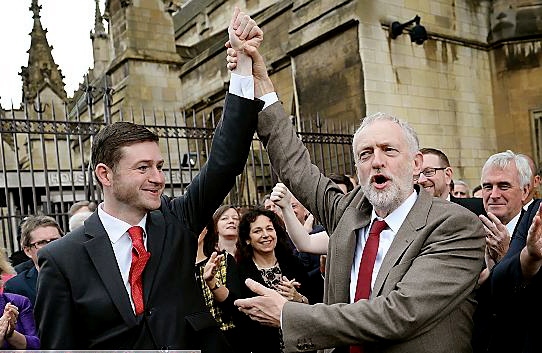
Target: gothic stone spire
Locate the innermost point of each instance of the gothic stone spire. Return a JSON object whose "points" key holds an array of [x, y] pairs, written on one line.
{"points": [[41, 67]]}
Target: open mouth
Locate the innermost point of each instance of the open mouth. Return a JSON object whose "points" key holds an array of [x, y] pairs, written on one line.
{"points": [[380, 181]]}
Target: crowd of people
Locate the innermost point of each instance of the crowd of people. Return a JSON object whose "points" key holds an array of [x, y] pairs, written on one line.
{"points": [[398, 258]]}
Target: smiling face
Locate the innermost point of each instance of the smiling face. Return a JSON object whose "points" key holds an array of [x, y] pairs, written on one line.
{"points": [[501, 192], [134, 186], [437, 185], [263, 237], [385, 165]]}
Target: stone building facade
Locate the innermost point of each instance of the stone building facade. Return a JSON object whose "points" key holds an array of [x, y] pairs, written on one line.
{"points": [[471, 89]]}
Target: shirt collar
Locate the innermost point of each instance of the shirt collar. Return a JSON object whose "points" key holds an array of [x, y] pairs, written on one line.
{"points": [[395, 219], [526, 206], [115, 227], [511, 226]]}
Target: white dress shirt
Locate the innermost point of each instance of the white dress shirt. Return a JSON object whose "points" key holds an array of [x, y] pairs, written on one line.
{"points": [[526, 206], [394, 221], [243, 86], [511, 226], [117, 231]]}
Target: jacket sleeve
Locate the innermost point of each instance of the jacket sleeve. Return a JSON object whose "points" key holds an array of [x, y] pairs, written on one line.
{"points": [[54, 333], [28, 325], [227, 159]]}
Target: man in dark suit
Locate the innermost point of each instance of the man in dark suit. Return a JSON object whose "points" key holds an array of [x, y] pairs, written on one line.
{"points": [[418, 296], [516, 288], [36, 232], [505, 186], [125, 279]]}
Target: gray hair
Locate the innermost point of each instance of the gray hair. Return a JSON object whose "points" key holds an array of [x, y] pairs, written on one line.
{"points": [[502, 160], [461, 182], [410, 135]]}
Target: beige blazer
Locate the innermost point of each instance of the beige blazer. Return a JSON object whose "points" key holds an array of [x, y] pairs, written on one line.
{"points": [[422, 300]]}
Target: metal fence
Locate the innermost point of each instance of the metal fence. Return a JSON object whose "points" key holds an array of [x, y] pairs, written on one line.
{"points": [[45, 156]]}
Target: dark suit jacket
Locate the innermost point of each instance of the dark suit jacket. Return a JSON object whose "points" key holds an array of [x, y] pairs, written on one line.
{"points": [[491, 319], [516, 302], [82, 302], [473, 204], [24, 284], [423, 296], [261, 338]]}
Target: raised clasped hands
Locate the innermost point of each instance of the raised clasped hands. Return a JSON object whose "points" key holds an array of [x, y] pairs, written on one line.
{"points": [[243, 56], [281, 196], [243, 32]]}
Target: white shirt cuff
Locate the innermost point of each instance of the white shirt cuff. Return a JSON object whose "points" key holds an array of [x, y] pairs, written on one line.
{"points": [[269, 99], [242, 86]]}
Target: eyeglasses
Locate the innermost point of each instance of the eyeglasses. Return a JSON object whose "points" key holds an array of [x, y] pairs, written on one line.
{"points": [[428, 172], [41, 243]]}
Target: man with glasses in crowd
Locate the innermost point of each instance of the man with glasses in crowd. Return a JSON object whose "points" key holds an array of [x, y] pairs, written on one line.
{"points": [[36, 232], [437, 178]]}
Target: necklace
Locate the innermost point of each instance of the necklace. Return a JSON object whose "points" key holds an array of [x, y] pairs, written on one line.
{"points": [[265, 267]]}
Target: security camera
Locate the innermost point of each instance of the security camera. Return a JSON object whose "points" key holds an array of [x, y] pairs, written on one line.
{"points": [[418, 34]]}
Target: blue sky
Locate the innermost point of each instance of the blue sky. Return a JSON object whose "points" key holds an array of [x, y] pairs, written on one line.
{"points": [[68, 22]]}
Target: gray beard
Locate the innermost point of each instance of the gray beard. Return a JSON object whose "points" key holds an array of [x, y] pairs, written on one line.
{"points": [[388, 200]]}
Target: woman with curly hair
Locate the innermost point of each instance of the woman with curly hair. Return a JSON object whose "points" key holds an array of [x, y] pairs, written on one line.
{"points": [[264, 256]]}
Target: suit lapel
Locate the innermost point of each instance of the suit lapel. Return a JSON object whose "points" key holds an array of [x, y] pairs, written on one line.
{"points": [[356, 217], [415, 220], [102, 256], [156, 235]]}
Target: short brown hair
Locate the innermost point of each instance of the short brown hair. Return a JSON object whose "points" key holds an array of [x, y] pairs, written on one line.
{"points": [[108, 143], [34, 222], [445, 162]]}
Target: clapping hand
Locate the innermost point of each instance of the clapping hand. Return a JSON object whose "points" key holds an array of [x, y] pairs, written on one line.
{"points": [[8, 321], [211, 267], [497, 237], [531, 255], [287, 288]]}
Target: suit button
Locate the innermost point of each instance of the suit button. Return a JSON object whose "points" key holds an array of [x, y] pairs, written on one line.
{"points": [[149, 312]]}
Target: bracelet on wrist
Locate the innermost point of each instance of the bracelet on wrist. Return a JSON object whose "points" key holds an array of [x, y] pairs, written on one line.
{"points": [[216, 286]]}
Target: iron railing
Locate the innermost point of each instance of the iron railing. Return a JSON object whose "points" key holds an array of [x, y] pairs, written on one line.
{"points": [[45, 156]]}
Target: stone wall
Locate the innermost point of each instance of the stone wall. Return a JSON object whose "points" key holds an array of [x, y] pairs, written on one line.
{"points": [[336, 59]]}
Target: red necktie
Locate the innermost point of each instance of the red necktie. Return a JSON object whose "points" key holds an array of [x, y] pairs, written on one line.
{"points": [[140, 256], [365, 275]]}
